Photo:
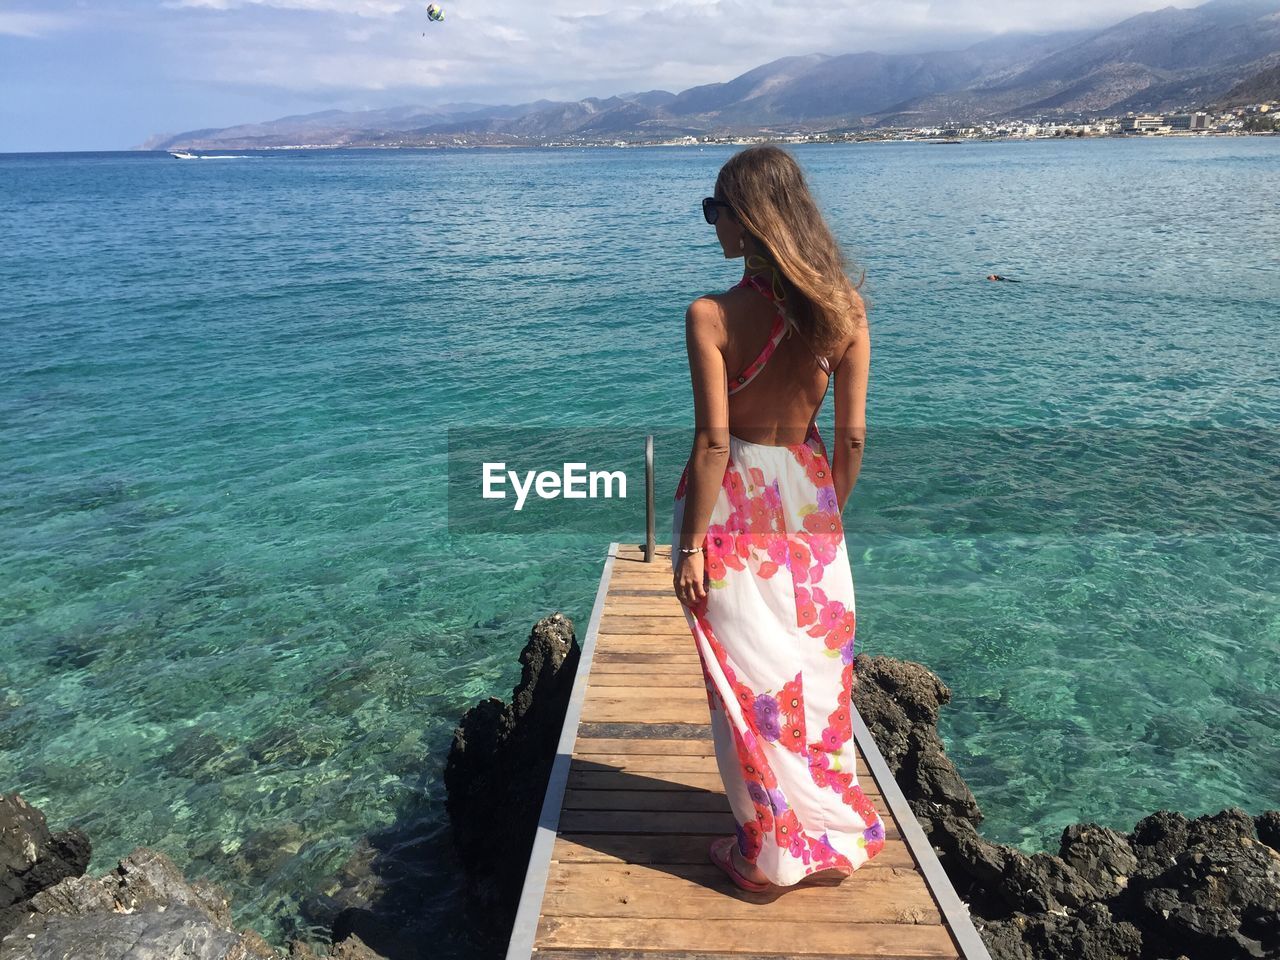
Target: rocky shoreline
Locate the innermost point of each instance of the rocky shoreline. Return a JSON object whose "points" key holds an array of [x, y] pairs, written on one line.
{"points": [[1170, 889], [1173, 888], [144, 908]]}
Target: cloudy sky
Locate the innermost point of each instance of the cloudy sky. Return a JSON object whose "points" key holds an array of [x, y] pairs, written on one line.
{"points": [[106, 74]]}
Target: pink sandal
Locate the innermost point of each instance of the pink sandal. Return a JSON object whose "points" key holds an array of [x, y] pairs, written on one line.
{"points": [[721, 845]]}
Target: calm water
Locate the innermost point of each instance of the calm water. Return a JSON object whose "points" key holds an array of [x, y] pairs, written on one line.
{"points": [[233, 625]]}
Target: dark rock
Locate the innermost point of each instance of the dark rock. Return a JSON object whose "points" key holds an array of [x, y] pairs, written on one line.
{"points": [[1221, 895], [143, 909], [1100, 857], [352, 948], [899, 702], [32, 859], [1267, 824], [497, 770]]}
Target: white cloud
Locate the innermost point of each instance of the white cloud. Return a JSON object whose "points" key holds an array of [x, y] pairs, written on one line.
{"points": [[510, 51], [17, 23], [360, 8]]}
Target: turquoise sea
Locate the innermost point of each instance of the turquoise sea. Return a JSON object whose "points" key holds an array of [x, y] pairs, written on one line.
{"points": [[234, 625]]}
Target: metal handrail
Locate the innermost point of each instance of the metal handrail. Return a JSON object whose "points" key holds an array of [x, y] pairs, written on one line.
{"points": [[649, 547]]}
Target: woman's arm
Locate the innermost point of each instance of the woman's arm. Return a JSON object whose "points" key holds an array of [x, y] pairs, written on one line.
{"points": [[704, 336], [851, 375]]}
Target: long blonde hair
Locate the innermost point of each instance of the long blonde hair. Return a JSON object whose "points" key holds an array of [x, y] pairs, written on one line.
{"points": [[770, 197]]}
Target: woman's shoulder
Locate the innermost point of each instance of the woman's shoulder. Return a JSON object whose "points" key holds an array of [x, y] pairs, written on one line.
{"points": [[854, 330], [704, 319], [715, 307], [726, 301]]}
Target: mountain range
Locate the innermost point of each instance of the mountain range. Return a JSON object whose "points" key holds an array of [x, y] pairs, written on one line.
{"points": [[1167, 59]]}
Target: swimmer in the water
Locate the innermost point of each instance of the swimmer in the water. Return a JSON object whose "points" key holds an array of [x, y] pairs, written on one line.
{"points": [[996, 276]]}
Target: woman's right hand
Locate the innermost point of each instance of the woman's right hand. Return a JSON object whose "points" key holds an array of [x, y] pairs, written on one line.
{"points": [[690, 579]]}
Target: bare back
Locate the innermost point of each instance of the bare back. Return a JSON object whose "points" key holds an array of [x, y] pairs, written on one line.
{"points": [[780, 401]]}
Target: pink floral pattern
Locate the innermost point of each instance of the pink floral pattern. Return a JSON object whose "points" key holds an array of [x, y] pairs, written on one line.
{"points": [[775, 637]]}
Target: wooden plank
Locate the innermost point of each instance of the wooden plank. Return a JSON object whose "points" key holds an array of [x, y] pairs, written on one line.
{"points": [[631, 551], [672, 616], [651, 763], [685, 652], [681, 693], [654, 684], [674, 624], [878, 901], [683, 670], [677, 644], [682, 890], [684, 648], [677, 848], [660, 674], [607, 779], [673, 628], [661, 671], [666, 821], [646, 762], [684, 658], [639, 606], [645, 656], [669, 617], [590, 764], [639, 821], [589, 777], [607, 709], [643, 590], [788, 938], [650, 800], [591, 746], [610, 778], [647, 731]]}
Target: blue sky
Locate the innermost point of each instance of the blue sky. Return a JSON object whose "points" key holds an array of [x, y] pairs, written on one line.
{"points": [[107, 74]]}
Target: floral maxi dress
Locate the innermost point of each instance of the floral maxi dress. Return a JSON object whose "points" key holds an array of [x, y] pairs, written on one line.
{"points": [[775, 636]]}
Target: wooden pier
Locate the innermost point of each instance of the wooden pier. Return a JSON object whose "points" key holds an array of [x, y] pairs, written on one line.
{"points": [[619, 865]]}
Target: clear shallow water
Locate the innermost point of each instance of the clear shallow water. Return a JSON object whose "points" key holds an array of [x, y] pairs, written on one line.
{"points": [[233, 625]]}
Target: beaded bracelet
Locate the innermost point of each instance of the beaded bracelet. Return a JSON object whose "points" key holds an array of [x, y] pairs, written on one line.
{"points": [[690, 549]]}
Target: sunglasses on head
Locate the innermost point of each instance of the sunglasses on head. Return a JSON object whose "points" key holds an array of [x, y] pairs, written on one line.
{"points": [[711, 208]]}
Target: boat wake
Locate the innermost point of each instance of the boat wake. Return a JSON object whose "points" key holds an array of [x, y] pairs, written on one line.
{"points": [[184, 155]]}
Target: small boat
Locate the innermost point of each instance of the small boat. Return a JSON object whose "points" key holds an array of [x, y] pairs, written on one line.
{"points": [[182, 155]]}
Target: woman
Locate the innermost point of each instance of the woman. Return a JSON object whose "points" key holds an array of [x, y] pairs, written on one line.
{"points": [[759, 560]]}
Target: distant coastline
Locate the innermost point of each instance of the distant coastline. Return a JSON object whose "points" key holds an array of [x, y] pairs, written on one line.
{"points": [[733, 141]]}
